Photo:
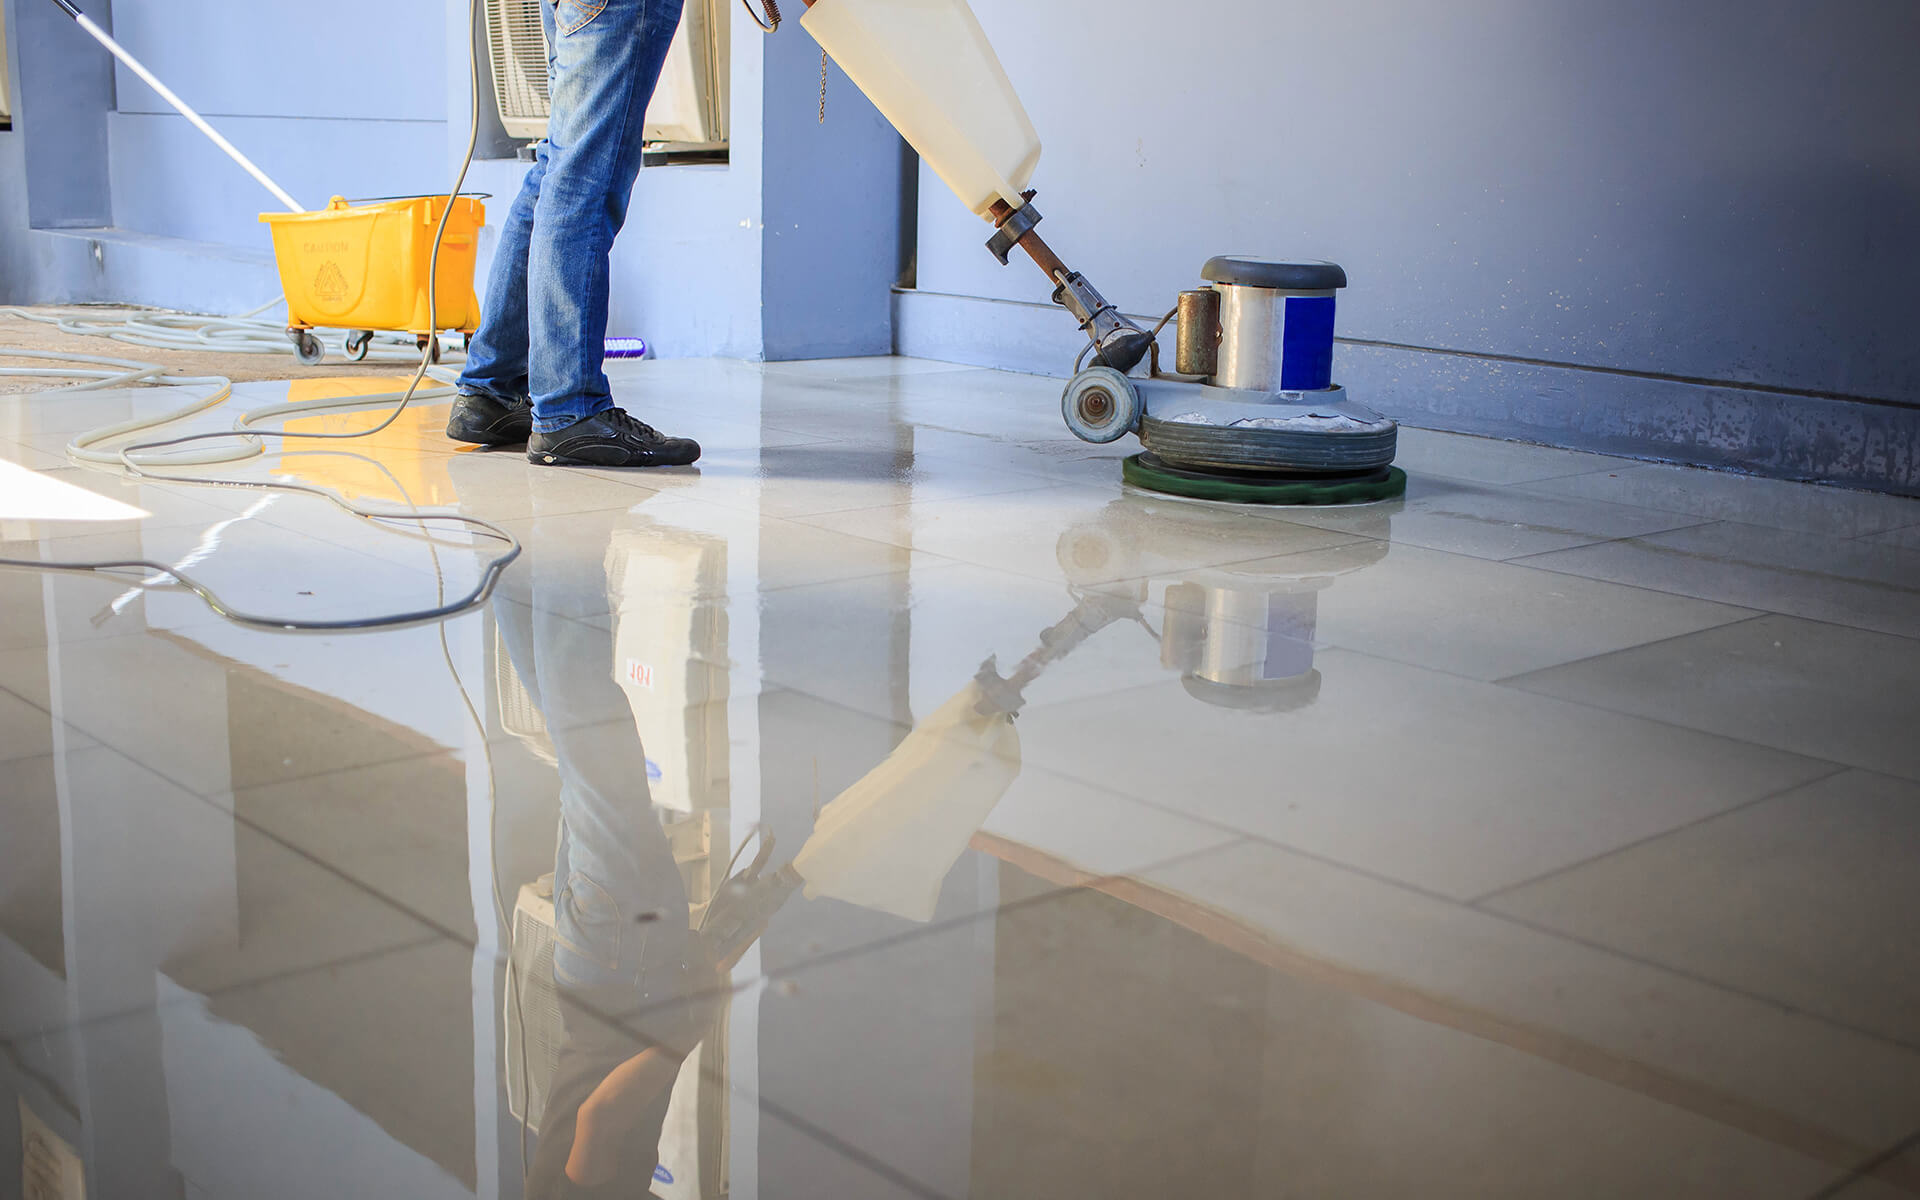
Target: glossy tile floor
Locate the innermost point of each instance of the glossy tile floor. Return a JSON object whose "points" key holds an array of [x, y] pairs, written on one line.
{"points": [[934, 817]]}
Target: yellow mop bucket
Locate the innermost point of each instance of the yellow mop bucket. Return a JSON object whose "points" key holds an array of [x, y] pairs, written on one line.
{"points": [[363, 267]]}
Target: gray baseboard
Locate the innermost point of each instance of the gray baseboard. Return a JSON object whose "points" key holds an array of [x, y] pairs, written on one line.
{"points": [[118, 266], [1788, 435]]}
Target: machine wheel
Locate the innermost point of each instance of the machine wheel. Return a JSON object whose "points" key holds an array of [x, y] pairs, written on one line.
{"points": [[1100, 405], [306, 347], [431, 345], [357, 343]]}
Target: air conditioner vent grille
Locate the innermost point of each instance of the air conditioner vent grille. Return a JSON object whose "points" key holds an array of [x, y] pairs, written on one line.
{"points": [[532, 1004], [519, 59], [689, 108]]}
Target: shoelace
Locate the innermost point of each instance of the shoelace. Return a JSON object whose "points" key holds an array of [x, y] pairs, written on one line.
{"points": [[632, 424]]}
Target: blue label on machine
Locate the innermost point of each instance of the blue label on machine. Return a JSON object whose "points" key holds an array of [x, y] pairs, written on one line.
{"points": [[1306, 344]]}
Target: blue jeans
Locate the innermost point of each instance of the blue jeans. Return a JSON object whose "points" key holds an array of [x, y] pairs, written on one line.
{"points": [[543, 326]]}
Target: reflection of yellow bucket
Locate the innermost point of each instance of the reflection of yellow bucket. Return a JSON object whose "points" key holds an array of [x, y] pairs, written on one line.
{"points": [[364, 266], [385, 468]]}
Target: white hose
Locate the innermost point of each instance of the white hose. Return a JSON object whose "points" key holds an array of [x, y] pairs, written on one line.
{"points": [[227, 335], [179, 331]]}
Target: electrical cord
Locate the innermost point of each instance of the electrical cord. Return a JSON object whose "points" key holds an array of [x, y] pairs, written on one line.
{"points": [[142, 467]]}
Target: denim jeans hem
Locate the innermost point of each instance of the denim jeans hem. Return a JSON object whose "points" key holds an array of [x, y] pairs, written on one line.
{"points": [[510, 399], [571, 411]]}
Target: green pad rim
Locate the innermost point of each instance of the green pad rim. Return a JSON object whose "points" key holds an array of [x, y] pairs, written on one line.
{"points": [[1272, 491]]}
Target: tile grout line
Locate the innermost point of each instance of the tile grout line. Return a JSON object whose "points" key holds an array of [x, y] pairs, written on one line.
{"points": [[905, 936], [1529, 489], [291, 973], [1649, 544], [1586, 943], [298, 851], [443, 933], [1353, 539], [209, 798], [1252, 838], [1478, 902], [1027, 486], [1465, 559], [1866, 1169], [1249, 837], [1440, 671], [1054, 894], [1522, 561], [1508, 681], [1515, 560], [1351, 972], [1889, 772], [1707, 981], [1880, 533], [1818, 534]]}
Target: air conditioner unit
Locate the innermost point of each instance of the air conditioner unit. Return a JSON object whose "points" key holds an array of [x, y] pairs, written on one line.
{"points": [[532, 1005], [6, 88], [689, 108]]}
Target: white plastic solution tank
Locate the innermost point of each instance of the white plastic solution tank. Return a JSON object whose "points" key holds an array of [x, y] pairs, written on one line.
{"points": [[929, 69]]}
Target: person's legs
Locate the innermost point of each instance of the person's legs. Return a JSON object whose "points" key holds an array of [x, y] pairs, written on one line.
{"points": [[497, 360], [606, 60], [492, 407]]}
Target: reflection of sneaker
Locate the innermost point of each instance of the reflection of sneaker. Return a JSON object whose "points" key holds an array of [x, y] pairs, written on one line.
{"points": [[613, 438], [486, 421]]}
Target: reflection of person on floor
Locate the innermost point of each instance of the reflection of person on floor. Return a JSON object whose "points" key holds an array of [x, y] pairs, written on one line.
{"points": [[622, 937], [623, 942]]}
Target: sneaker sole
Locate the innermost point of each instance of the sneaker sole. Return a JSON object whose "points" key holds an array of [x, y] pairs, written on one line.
{"points": [[542, 459]]}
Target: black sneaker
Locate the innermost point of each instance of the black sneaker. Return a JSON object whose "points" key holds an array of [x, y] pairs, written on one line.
{"points": [[486, 421], [613, 438]]}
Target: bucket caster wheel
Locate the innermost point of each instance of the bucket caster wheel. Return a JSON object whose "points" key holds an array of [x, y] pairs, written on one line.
{"points": [[306, 347], [357, 343], [1100, 405], [430, 344]]}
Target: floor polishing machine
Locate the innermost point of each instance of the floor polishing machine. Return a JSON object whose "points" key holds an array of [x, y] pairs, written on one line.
{"points": [[1249, 412]]}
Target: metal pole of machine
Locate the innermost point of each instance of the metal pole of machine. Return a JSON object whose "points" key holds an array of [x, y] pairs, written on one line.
{"points": [[166, 93]]}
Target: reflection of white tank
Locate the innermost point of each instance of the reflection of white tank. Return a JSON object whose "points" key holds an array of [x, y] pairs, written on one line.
{"points": [[667, 589], [887, 842], [1241, 636]]}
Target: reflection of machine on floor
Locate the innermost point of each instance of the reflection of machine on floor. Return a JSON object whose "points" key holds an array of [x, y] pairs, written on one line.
{"points": [[1251, 412], [1241, 635]]}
